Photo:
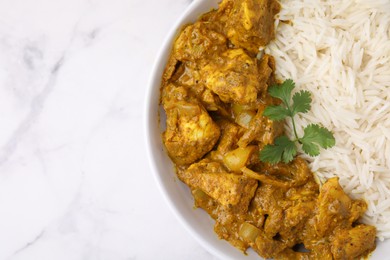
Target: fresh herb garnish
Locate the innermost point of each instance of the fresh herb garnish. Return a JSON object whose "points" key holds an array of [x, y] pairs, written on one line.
{"points": [[314, 136]]}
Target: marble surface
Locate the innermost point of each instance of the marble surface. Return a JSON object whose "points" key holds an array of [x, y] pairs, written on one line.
{"points": [[74, 178]]}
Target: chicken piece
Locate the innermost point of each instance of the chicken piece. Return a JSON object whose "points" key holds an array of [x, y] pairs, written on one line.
{"points": [[249, 23], [228, 218], [188, 75], [198, 41], [233, 77], [296, 172], [230, 133], [266, 68], [190, 132], [266, 202], [335, 208], [333, 220], [195, 46], [285, 218], [354, 243], [268, 247], [297, 214], [357, 210], [226, 188], [308, 192], [282, 213], [224, 196]]}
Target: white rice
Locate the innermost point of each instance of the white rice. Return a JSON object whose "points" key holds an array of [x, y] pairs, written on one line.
{"points": [[339, 50]]}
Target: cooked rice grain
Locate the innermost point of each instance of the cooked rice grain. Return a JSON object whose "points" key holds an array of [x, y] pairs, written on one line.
{"points": [[340, 52]]}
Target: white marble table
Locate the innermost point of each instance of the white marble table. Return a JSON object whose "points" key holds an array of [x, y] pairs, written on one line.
{"points": [[74, 178]]}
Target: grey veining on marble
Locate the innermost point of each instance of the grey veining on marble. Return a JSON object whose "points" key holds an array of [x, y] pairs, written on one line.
{"points": [[74, 179]]}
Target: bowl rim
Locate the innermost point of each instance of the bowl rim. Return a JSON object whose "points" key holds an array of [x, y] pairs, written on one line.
{"points": [[149, 115]]}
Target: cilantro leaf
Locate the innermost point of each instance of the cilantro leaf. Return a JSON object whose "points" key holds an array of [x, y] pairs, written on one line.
{"points": [[276, 112], [282, 150], [302, 100], [310, 148], [271, 154], [283, 92], [290, 150], [314, 136]]}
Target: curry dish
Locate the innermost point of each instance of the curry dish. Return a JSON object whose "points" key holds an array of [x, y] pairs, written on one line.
{"points": [[214, 92]]}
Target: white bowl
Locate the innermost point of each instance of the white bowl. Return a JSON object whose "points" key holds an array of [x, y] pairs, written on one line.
{"points": [[177, 194]]}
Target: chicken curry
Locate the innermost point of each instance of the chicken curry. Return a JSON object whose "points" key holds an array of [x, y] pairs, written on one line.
{"points": [[214, 91]]}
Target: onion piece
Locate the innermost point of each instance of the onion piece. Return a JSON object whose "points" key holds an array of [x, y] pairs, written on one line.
{"points": [[264, 178], [248, 232], [238, 158]]}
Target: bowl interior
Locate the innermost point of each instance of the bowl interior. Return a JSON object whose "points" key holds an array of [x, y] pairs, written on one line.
{"points": [[177, 195]]}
